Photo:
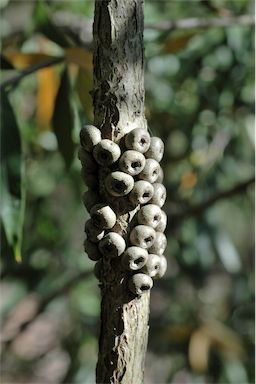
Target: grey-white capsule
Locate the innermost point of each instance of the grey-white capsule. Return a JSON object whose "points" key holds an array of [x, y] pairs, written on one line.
{"points": [[142, 236], [89, 137], [87, 160], [152, 266], [159, 195], [138, 139], [149, 214], [106, 152], [119, 183], [159, 244], [132, 162], [134, 258], [90, 179], [112, 245], [142, 192], [162, 268], [160, 177], [90, 199], [140, 283], [162, 223], [151, 171], [103, 216], [156, 149], [94, 233], [92, 250]]}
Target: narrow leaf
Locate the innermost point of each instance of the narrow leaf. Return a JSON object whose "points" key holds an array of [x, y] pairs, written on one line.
{"points": [[63, 120], [12, 186], [46, 94]]}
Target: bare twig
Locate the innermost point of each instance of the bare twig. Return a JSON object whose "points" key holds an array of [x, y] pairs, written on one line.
{"points": [[44, 64], [195, 22], [197, 210]]}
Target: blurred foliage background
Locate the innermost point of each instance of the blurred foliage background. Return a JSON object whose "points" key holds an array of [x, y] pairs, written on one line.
{"points": [[200, 100]]}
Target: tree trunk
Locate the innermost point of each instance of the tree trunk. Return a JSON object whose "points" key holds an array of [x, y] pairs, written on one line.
{"points": [[118, 98]]}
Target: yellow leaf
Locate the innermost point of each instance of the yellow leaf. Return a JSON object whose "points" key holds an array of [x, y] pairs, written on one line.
{"points": [[48, 83], [80, 57], [198, 351], [84, 85], [177, 43], [23, 60]]}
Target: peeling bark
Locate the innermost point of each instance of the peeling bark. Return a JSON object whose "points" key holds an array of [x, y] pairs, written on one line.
{"points": [[118, 98]]}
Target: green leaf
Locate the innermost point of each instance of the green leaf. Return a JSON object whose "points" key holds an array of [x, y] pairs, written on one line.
{"points": [[63, 120], [12, 185]]}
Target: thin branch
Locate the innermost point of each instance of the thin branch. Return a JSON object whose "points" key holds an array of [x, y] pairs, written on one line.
{"points": [[44, 64], [197, 210], [225, 21], [45, 300]]}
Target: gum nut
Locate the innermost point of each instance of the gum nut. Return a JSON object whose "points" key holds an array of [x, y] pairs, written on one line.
{"points": [[132, 162], [89, 179], [134, 258], [159, 244], [156, 149], [149, 214], [106, 152], [138, 139], [119, 183], [103, 216], [94, 233], [162, 223], [89, 137], [140, 283], [90, 199], [152, 266], [98, 269], [159, 195], [142, 236], [160, 177], [142, 192], [162, 268], [112, 245], [151, 171], [87, 160], [92, 250]]}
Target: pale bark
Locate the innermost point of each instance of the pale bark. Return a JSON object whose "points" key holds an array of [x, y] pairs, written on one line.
{"points": [[118, 98]]}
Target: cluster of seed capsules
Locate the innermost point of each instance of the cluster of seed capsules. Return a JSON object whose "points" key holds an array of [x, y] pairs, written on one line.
{"points": [[129, 172]]}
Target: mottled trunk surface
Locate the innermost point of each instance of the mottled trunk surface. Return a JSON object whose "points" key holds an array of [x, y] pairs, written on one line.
{"points": [[118, 98]]}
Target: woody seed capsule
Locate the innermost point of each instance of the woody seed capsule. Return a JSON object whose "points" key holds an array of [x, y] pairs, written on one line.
{"points": [[89, 137], [112, 245], [106, 152], [140, 283], [132, 162], [103, 216], [138, 139], [151, 171], [142, 192], [156, 149], [142, 236], [119, 183], [149, 214]]}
